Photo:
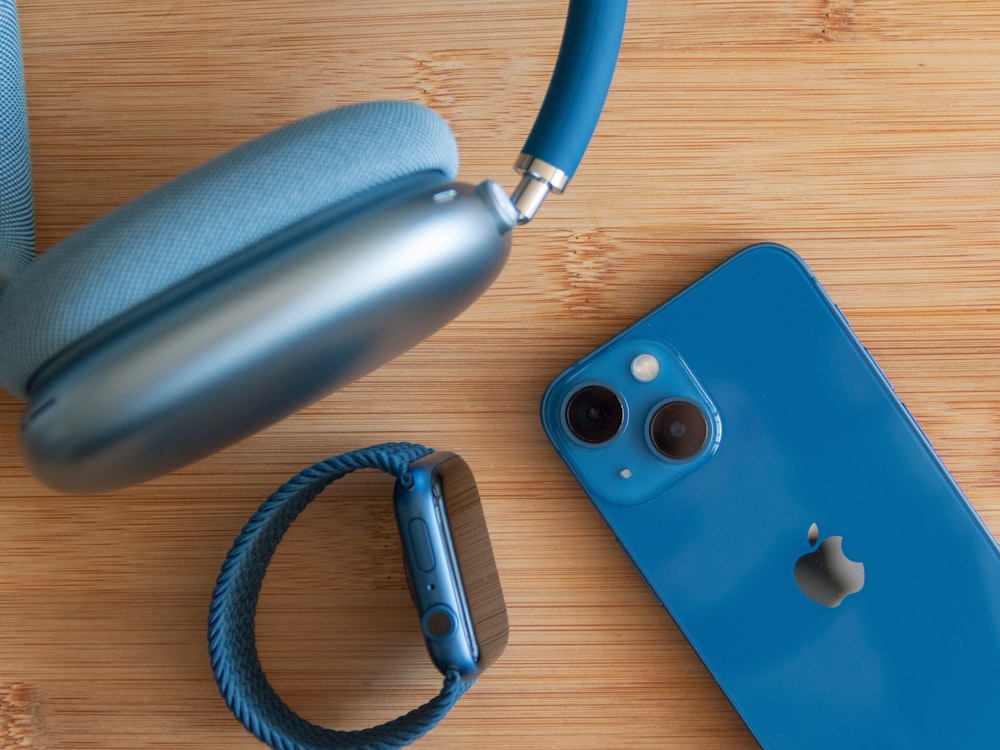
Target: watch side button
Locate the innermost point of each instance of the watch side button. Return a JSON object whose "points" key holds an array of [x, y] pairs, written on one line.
{"points": [[439, 623], [420, 542]]}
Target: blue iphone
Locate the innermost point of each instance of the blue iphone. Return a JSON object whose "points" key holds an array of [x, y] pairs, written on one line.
{"points": [[788, 512]]}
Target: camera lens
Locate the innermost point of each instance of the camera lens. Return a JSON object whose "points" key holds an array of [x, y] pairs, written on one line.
{"points": [[678, 430], [594, 414]]}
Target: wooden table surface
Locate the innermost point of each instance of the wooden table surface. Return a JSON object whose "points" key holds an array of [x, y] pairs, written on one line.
{"points": [[864, 135]]}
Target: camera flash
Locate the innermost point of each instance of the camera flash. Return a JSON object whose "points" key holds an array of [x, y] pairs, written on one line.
{"points": [[625, 473], [645, 368]]}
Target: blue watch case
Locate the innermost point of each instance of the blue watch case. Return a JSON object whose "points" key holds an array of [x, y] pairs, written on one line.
{"points": [[450, 566]]}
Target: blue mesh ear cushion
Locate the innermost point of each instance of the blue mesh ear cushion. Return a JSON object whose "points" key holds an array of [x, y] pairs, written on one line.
{"points": [[17, 224], [189, 224]]}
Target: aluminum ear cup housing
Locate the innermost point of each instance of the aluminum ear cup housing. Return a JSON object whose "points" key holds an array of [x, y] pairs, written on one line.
{"points": [[263, 334]]}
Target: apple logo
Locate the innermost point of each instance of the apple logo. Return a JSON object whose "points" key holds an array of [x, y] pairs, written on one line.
{"points": [[826, 575]]}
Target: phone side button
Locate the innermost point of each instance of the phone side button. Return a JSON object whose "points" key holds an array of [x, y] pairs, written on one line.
{"points": [[420, 543]]}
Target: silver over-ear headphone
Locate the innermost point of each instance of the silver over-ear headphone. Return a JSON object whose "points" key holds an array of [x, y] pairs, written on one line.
{"points": [[265, 279]]}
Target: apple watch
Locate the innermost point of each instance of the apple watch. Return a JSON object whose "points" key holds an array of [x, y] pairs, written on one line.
{"points": [[450, 570]]}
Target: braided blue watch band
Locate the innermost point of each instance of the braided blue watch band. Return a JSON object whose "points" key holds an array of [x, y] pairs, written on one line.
{"points": [[232, 645]]}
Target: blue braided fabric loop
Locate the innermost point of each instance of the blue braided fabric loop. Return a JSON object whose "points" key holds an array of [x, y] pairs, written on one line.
{"points": [[17, 211], [231, 639]]}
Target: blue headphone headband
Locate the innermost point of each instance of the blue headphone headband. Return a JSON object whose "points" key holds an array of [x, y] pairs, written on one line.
{"points": [[573, 103], [579, 85]]}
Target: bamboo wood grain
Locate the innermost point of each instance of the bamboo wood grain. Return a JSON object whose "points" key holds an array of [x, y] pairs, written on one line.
{"points": [[864, 135]]}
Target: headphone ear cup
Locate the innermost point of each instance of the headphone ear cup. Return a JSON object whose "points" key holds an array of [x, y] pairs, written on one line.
{"points": [[186, 226], [17, 224]]}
